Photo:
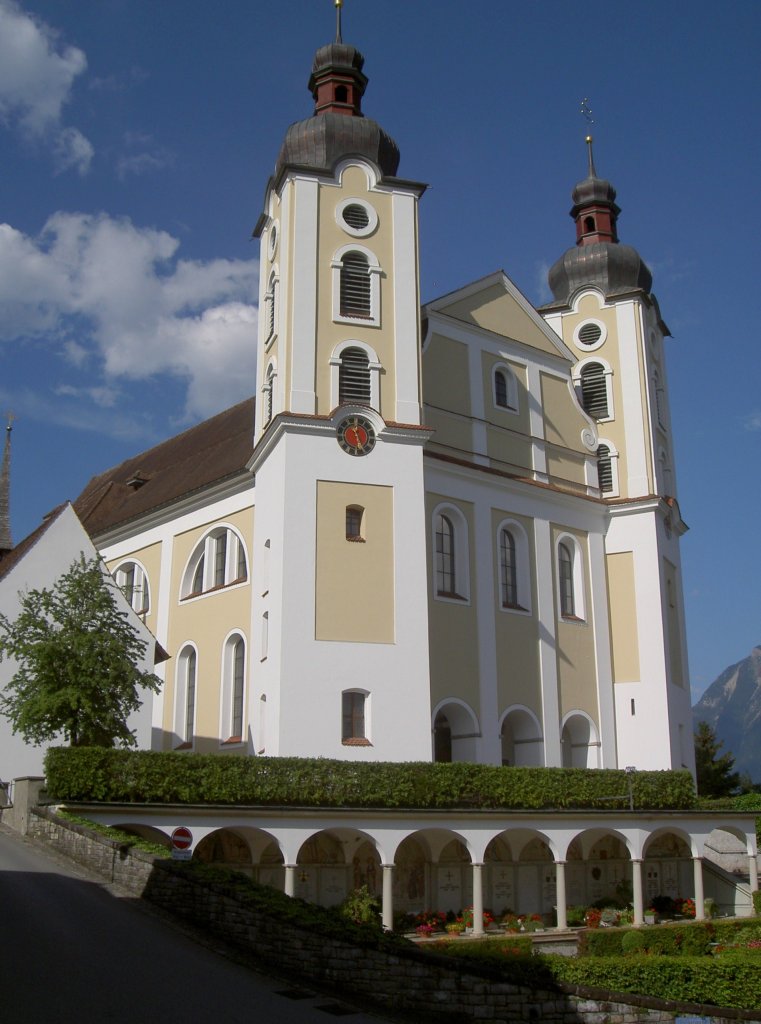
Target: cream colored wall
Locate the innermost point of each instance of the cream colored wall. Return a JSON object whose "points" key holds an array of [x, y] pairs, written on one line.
{"points": [[563, 423], [517, 635], [673, 623], [622, 606], [495, 310], [576, 663], [446, 375], [519, 421], [509, 451], [331, 238], [452, 435], [354, 586], [150, 558], [566, 468], [206, 621], [453, 626]]}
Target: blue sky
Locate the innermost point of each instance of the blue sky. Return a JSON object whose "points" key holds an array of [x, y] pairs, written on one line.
{"points": [[137, 139]]}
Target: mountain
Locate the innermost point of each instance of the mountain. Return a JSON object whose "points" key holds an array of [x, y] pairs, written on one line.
{"points": [[732, 707]]}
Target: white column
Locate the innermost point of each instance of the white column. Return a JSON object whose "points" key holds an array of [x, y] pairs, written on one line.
{"points": [[290, 879], [639, 908], [548, 667], [478, 899], [753, 872], [560, 896], [697, 865], [387, 913]]}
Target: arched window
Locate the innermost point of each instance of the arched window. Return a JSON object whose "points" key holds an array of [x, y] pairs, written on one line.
{"points": [[356, 298], [604, 468], [594, 390], [445, 557], [508, 569], [267, 391], [270, 307], [133, 582], [505, 389], [354, 377], [219, 560], [354, 522], [567, 590], [185, 698], [233, 685], [451, 577], [353, 717], [356, 286]]}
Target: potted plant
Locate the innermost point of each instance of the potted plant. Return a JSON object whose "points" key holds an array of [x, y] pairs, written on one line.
{"points": [[650, 915], [592, 917], [456, 927]]}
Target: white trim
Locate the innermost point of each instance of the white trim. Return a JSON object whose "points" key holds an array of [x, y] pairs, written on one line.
{"points": [[140, 584], [536, 741], [461, 553], [181, 695], [304, 269], [372, 218], [592, 747], [373, 364], [226, 689], [595, 345], [577, 570], [374, 271], [522, 568], [206, 549]]}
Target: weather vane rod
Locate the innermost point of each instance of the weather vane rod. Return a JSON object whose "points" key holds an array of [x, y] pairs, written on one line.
{"points": [[586, 112], [10, 418], [339, 4]]}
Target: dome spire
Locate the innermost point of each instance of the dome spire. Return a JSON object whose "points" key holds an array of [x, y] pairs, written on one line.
{"points": [[339, 6], [598, 259]]}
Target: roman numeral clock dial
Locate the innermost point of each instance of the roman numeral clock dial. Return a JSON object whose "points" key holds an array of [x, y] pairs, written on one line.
{"points": [[356, 435]]}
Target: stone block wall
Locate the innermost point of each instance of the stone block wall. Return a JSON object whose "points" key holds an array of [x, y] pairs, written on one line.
{"points": [[426, 985]]}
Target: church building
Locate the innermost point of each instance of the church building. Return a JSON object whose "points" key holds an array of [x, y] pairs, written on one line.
{"points": [[445, 532]]}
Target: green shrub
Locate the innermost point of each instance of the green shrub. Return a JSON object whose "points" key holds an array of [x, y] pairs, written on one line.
{"points": [[123, 776], [632, 942], [361, 906], [757, 901], [665, 940], [715, 981]]}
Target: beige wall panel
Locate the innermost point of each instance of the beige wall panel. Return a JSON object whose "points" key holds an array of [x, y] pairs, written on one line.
{"points": [[453, 435], [354, 590], [566, 468], [445, 375], [517, 635], [380, 242], [496, 311], [510, 420], [509, 451], [563, 420], [624, 631], [206, 621], [673, 623], [453, 626], [150, 558], [577, 670]]}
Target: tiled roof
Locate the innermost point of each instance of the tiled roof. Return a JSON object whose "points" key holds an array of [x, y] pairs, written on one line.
{"points": [[208, 453], [14, 556]]}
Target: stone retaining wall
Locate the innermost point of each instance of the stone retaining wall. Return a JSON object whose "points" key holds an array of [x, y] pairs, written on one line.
{"points": [[424, 984]]}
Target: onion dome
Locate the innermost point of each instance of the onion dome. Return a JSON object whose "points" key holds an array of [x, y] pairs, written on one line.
{"points": [[598, 259], [338, 128]]}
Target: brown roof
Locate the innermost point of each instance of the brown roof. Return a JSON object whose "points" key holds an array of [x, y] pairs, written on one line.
{"points": [[11, 558], [205, 454]]}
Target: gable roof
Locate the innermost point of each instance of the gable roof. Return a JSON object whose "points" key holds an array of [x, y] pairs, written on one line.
{"points": [[495, 304], [208, 453], [12, 558]]}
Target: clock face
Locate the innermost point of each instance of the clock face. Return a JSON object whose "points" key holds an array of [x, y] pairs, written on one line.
{"points": [[356, 435]]}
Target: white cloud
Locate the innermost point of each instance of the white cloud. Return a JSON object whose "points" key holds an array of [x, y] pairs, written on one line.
{"points": [[753, 421], [37, 73], [109, 296]]}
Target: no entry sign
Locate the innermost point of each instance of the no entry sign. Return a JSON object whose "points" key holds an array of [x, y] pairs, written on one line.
{"points": [[182, 840]]}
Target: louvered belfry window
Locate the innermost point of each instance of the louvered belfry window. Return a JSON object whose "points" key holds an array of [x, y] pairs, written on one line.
{"points": [[354, 377], [594, 390], [604, 468], [355, 286]]}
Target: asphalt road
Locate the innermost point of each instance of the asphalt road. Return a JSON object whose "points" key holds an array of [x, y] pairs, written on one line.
{"points": [[73, 950]]}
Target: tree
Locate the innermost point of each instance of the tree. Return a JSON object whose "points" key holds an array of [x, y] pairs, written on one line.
{"points": [[76, 655], [714, 772]]}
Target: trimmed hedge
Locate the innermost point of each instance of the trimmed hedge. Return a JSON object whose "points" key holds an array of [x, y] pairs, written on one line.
{"points": [[667, 940], [125, 776], [716, 981]]}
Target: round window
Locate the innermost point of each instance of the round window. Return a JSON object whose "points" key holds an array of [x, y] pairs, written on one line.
{"points": [[590, 334], [356, 216], [272, 240]]}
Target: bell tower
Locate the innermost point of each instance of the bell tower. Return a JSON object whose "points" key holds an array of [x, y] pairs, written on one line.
{"points": [[606, 312], [339, 519]]}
